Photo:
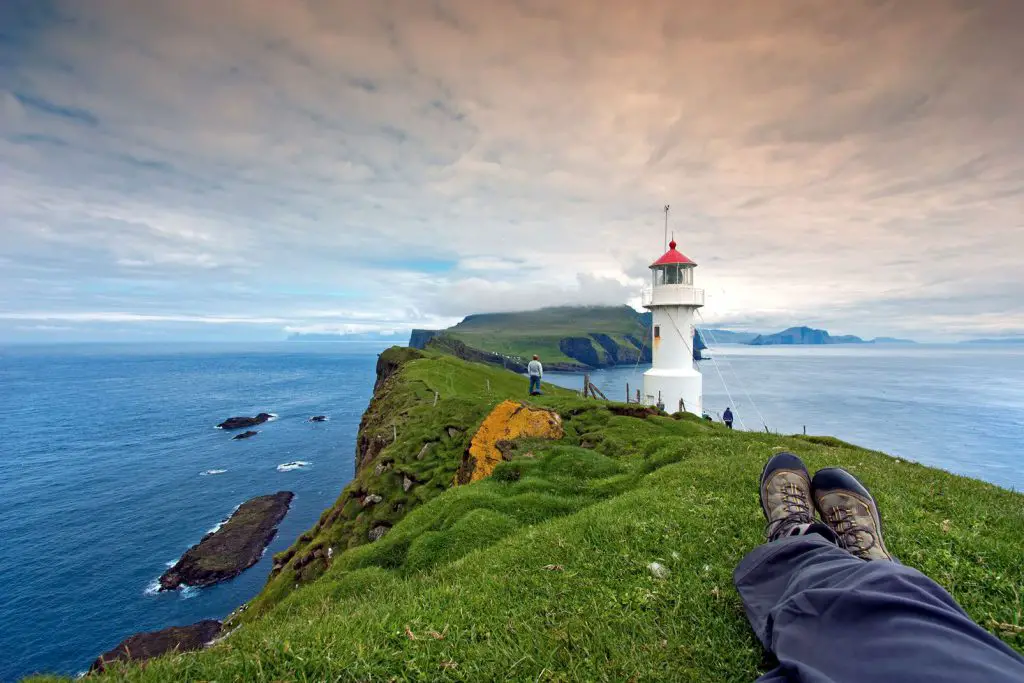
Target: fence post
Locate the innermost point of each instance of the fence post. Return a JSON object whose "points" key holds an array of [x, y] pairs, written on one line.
{"points": [[627, 392], [805, 430], [638, 396], [586, 385]]}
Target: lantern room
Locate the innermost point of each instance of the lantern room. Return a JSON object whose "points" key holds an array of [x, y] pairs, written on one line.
{"points": [[673, 268]]}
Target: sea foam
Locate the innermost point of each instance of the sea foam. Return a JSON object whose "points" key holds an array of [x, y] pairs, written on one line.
{"points": [[208, 473], [295, 465]]}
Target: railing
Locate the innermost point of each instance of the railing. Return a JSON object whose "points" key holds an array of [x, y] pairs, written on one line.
{"points": [[672, 295]]}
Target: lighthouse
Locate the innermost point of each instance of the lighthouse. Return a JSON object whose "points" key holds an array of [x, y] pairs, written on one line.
{"points": [[673, 380]]}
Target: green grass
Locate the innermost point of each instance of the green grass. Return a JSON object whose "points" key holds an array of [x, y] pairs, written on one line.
{"points": [[522, 334], [540, 573]]}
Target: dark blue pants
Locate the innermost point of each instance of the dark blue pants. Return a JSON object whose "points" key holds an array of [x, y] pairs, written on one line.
{"points": [[534, 384], [829, 617]]}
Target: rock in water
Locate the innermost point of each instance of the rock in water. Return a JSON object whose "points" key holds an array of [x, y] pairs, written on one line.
{"points": [[244, 422], [318, 418], [234, 547], [244, 435], [153, 644]]}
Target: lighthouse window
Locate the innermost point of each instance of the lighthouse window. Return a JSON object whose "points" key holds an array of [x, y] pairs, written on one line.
{"points": [[657, 331]]}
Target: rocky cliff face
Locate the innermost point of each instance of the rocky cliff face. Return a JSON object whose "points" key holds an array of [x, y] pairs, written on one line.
{"points": [[418, 339], [460, 349], [410, 445]]}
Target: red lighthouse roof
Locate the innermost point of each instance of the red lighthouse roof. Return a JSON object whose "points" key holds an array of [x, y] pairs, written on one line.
{"points": [[672, 257]]}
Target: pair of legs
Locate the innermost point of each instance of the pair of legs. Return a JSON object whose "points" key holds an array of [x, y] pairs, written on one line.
{"points": [[534, 385], [832, 604]]}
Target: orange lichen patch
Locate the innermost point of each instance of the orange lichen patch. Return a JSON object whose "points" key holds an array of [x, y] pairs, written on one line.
{"points": [[508, 421]]}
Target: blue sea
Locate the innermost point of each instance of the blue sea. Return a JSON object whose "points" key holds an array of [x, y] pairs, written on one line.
{"points": [[104, 450], [957, 407]]}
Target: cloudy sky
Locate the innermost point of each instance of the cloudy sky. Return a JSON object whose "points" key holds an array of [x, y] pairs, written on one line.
{"points": [[245, 168]]}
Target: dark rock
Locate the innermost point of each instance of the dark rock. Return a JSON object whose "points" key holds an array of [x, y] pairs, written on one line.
{"points": [[318, 418], [643, 346], [244, 435], [390, 361], [614, 353], [377, 532], [460, 349], [506, 447], [234, 547], [382, 467], [243, 422], [581, 349], [419, 339], [454, 432], [144, 646]]}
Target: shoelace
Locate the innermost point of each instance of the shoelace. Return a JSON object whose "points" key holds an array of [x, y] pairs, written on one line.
{"points": [[798, 510], [842, 522]]}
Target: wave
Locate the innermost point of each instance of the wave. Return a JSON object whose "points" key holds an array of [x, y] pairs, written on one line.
{"points": [[207, 473], [295, 465]]}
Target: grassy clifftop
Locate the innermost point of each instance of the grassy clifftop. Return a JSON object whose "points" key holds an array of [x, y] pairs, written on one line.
{"points": [[539, 572]]}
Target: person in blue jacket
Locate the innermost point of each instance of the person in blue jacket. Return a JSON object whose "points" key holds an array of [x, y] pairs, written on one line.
{"points": [[727, 417]]}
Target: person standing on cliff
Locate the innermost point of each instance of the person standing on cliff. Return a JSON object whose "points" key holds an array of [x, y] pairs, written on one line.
{"points": [[536, 371], [727, 417]]}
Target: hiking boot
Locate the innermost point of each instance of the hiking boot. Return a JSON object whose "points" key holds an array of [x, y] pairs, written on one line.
{"points": [[851, 512], [786, 497]]}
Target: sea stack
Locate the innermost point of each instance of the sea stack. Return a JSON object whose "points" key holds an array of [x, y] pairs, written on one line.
{"points": [[673, 383]]}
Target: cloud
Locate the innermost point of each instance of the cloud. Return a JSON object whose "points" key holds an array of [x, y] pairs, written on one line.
{"points": [[855, 162]]}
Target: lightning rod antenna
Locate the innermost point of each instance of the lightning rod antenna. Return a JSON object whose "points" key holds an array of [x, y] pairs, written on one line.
{"points": [[666, 226]]}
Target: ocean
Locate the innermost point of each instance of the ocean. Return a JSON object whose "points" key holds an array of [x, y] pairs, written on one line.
{"points": [[957, 407], [112, 466]]}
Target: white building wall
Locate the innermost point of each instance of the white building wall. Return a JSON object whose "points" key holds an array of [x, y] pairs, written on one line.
{"points": [[673, 373]]}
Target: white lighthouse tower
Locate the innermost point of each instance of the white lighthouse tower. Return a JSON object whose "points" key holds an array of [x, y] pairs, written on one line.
{"points": [[674, 380]]}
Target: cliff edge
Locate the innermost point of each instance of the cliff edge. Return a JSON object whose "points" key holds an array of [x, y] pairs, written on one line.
{"points": [[537, 567]]}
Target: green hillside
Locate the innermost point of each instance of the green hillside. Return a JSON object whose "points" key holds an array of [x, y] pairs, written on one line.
{"points": [[566, 338], [540, 572]]}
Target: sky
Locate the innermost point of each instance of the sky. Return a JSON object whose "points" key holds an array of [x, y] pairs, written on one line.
{"points": [[247, 169]]}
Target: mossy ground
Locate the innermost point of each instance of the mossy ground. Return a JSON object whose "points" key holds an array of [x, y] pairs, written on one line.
{"points": [[540, 572]]}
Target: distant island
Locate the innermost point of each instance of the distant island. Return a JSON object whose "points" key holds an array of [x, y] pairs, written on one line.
{"points": [[809, 336]]}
